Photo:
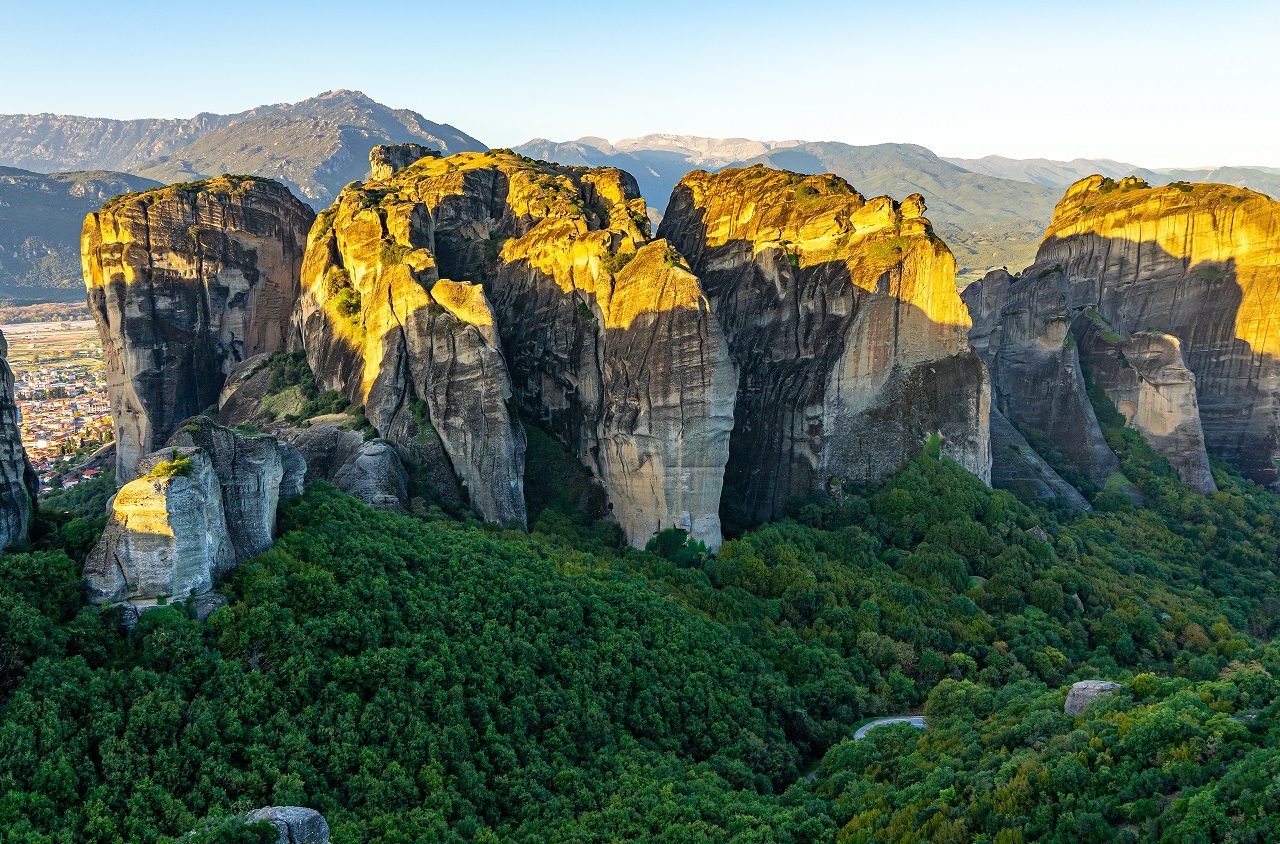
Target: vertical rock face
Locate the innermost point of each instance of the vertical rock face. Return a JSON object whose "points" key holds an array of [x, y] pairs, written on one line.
{"points": [[1037, 380], [1172, 293], [1017, 467], [1147, 380], [843, 320], [184, 283], [18, 483], [385, 160], [202, 504], [420, 353], [608, 338]]}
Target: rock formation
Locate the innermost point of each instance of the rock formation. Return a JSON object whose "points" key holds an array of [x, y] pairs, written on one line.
{"points": [[1023, 327], [331, 447], [608, 338], [1016, 467], [842, 317], [385, 160], [184, 283], [1085, 692], [1170, 295], [1147, 380], [296, 825], [200, 505], [18, 483], [418, 352]]}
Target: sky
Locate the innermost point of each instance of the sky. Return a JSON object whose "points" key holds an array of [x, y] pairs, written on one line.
{"points": [[1158, 84]]}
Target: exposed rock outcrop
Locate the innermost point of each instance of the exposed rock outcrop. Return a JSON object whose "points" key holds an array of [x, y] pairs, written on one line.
{"points": [[419, 353], [1018, 468], [1085, 692], [296, 825], [18, 483], [202, 504], [608, 338], [385, 160], [184, 283], [1147, 380], [1171, 294], [1037, 381], [369, 470], [842, 317]]}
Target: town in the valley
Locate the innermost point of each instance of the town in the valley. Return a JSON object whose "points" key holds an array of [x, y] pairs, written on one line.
{"points": [[60, 387]]}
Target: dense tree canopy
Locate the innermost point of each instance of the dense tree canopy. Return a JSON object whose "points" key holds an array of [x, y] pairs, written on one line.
{"points": [[419, 679]]}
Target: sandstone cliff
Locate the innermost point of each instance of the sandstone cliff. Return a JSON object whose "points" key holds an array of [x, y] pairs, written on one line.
{"points": [[1171, 293], [842, 317], [184, 283], [18, 483], [608, 338], [419, 353], [202, 504]]}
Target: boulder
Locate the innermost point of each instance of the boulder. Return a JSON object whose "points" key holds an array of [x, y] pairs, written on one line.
{"points": [[369, 470], [202, 504], [1085, 692], [18, 482], [184, 283], [296, 825], [843, 323]]}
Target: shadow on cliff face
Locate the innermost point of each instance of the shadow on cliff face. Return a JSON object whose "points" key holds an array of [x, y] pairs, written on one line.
{"points": [[840, 378], [1223, 312]]}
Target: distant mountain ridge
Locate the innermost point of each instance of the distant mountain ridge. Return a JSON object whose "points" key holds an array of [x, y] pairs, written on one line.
{"points": [[988, 221], [1061, 174], [314, 146], [40, 217]]}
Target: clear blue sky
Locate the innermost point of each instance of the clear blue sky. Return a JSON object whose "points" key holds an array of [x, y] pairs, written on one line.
{"points": [[1154, 83]]}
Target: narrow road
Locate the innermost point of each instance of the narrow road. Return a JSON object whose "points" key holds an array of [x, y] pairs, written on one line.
{"points": [[916, 721]]}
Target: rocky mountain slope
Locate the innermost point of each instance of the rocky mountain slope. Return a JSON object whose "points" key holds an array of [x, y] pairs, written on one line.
{"points": [[184, 283], [844, 323], [314, 146], [40, 218], [18, 484], [987, 221], [1166, 295]]}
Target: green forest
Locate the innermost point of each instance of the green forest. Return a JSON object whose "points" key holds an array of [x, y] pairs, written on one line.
{"points": [[425, 678]]}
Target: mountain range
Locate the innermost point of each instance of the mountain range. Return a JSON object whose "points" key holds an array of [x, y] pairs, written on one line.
{"points": [[991, 211]]}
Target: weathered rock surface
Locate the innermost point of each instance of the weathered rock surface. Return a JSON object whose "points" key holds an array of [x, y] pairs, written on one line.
{"points": [[369, 470], [842, 318], [297, 825], [184, 283], [166, 536], [176, 528], [1178, 284], [1023, 328], [385, 160], [254, 473], [327, 447], [1147, 380], [1016, 467], [1085, 692], [18, 483], [608, 338], [420, 354]]}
